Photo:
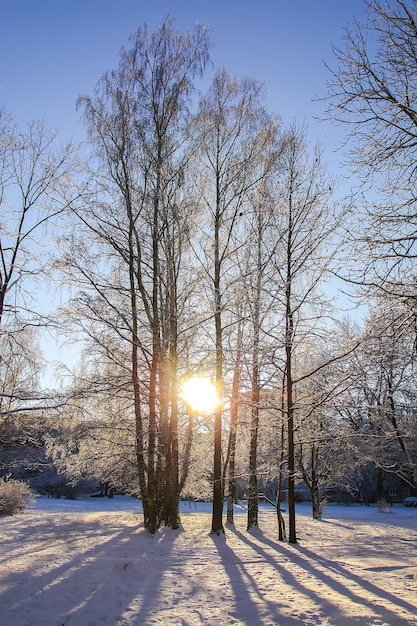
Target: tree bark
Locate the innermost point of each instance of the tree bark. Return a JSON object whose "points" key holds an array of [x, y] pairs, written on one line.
{"points": [[234, 403]]}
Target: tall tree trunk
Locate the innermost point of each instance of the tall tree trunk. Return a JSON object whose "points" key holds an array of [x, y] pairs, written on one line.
{"points": [[152, 522], [217, 516], [292, 535], [315, 488], [156, 354], [140, 456], [172, 467], [163, 456], [280, 518], [234, 404], [289, 345], [253, 449], [187, 451]]}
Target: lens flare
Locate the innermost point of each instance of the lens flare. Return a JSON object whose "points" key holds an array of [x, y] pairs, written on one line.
{"points": [[200, 394]]}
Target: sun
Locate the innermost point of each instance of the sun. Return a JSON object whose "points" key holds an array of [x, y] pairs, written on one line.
{"points": [[200, 394]]}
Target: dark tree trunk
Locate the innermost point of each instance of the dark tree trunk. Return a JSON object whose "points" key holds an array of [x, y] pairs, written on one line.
{"points": [[152, 522], [231, 494], [217, 515], [292, 534], [139, 435], [253, 449], [172, 469], [187, 451], [253, 478], [380, 489], [317, 504], [280, 518]]}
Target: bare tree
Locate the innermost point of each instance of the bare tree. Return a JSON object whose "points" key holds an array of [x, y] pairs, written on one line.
{"points": [[263, 242], [230, 463], [138, 123], [308, 223], [384, 398], [35, 189], [371, 92], [234, 134], [318, 439]]}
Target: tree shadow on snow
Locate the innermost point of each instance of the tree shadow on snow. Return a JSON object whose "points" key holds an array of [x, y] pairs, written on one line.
{"points": [[247, 594], [98, 568], [329, 575]]}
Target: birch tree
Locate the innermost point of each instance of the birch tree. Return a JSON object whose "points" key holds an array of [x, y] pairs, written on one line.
{"points": [[264, 239], [36, 189], [308, 223], [138, 123], [234, 135], [372, 95], [382, 378]]}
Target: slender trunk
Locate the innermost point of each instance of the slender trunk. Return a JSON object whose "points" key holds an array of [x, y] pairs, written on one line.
{"points": [[253, 449], [156, 357], [314, 485], [163, 460], [172, 479], [280, 518], [140, 455], [3, 289], [232, 434], [187, 451], [289, 341], [172, 238], [380, 489], [152, 506], [292, 535], [217, 516], [173, 518], [315, 502]]}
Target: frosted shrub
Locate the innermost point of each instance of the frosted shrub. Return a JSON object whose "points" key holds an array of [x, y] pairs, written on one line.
{"points": [[14, 496]]}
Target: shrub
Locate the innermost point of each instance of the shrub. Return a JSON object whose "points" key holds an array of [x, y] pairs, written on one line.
{"points": [[14, 496]]}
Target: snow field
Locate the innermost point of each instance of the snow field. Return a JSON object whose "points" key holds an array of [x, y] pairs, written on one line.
{"points": [[89, 563]]}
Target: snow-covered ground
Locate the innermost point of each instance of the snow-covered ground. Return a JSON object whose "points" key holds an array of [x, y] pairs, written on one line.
{"points": [[90, 563]]}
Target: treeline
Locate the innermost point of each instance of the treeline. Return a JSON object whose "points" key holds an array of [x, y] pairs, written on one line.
{"points": [[200, 237]]}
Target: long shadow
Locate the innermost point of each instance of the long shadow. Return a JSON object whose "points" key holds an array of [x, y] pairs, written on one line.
{"points": [[303, 556], [334, 566], [47, 584], [77, 588], [246, 609], [365, 584], [150, 578], [289, 578], [131, 579]]}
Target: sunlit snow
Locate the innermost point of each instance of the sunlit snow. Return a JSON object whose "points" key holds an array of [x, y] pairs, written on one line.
{"points": [[90, 563]]}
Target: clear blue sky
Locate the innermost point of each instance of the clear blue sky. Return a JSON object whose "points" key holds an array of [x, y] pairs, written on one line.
{"points": [[52, 51]]}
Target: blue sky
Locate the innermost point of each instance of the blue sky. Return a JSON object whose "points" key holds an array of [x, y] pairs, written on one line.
{"points": [[52, 51]]}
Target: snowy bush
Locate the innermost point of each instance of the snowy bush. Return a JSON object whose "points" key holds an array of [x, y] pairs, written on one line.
{"points": [[14, 496]]}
